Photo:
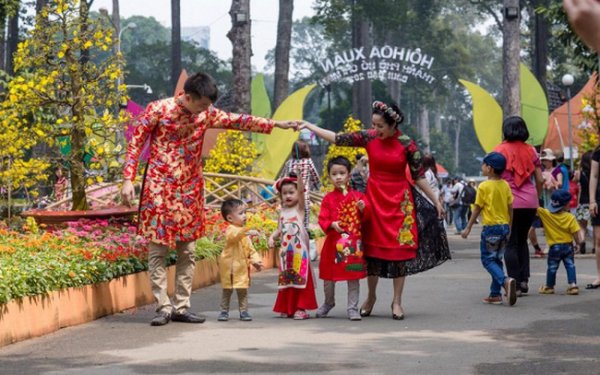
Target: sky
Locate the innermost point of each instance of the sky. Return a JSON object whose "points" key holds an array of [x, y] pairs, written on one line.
{"points": [[215, 13]]}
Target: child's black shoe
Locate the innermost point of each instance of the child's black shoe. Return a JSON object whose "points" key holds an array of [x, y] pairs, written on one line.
{"points": [[245, 317], [223, 316]]}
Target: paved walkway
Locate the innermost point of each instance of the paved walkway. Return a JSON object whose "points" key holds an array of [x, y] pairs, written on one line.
{"points": [[447, 330]]}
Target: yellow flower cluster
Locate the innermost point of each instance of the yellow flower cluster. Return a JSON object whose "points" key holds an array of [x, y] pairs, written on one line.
{"points": [[233, 154], [351, 125], [590, 127], [54, 97]]}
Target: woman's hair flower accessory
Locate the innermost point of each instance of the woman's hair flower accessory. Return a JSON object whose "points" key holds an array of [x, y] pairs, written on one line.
{"points": [[397, 117]]}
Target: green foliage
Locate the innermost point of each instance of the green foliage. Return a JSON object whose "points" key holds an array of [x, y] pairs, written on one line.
{"points": [[580, 55], [147, 50]]}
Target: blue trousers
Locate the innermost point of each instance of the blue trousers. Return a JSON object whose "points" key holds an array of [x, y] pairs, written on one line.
{"points": [[557, 253], [493, 244]]}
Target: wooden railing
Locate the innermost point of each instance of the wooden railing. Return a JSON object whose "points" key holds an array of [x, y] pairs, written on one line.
{"points": [[251, 189], [223, 186]]}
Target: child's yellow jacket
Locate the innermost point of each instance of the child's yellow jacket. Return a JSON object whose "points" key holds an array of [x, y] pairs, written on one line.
{"points": [[236, 258]]}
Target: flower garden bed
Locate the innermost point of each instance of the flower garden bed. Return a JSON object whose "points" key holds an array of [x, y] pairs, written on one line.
{"points": [[54, 277]]}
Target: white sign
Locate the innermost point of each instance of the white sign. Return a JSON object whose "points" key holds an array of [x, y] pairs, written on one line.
{"points": [[380, 62]]}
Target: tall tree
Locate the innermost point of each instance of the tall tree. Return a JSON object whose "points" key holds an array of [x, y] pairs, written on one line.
{"points": [[282, 51], [362, 91], [64, 85], [12, 39], [175, 41], [39, 5], [511, 98], [242, 52], [539, 36], [116, 22]]}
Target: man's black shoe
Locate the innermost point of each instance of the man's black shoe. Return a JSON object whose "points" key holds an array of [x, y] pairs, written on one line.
{"points": [[187, 317], [161, 319]]}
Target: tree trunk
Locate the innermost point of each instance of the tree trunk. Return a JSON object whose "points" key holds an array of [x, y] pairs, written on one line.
{"points": [[456, 144], [361, 90], [116, 20], [12, 41], [282, 51], [78, 137], [242, 52], [511, 101], [3, 18], [76, 162], [175, 42], [540, 38], [39, 5], [438, 122], [424, 125], [393, 86]]}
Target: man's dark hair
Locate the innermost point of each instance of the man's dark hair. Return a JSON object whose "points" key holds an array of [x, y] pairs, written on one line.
{"points": [[229, 205], [514, 128], [201, 84], [339, 160]]}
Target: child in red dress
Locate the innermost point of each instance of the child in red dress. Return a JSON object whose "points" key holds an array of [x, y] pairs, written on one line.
{"points": [[296, 287], [342, 256]]}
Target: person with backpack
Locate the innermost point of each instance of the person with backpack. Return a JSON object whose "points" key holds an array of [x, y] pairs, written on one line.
{"points": [[459, 209], [469, 194]]}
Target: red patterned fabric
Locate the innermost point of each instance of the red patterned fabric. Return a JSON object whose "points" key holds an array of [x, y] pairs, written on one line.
{"points": [[336, 265], [391, 231], [172, 202]]}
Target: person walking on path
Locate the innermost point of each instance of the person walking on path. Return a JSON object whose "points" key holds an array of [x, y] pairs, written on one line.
{"points": [[296, 292], [172, 202], [582, 212], [494, 202], [342, 212], [237, 257], [595, 213], [394, 246], [524, 176], [561, 228], [459, 209]]}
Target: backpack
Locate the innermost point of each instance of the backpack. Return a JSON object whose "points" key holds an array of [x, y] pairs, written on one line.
{"points": [[468, 194]]}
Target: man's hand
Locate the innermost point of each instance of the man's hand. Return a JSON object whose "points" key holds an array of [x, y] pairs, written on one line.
{"points": [[584, 16], [127, 193], [288, 124]]}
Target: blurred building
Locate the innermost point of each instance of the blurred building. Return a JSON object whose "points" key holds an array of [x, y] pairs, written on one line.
{"points": [[199, 34]]}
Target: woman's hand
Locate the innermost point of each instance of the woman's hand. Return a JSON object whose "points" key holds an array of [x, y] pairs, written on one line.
{"points": [[336, 226], [594, 209], [288, 124], [361, 205], [440, 210]]}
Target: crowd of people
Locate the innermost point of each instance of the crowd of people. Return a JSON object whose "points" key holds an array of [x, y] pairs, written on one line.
{"points": [[378, 233], [385, 218]]}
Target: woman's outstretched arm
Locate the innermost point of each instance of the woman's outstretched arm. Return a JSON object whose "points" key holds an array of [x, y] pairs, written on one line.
{"points": [[327, 135]]}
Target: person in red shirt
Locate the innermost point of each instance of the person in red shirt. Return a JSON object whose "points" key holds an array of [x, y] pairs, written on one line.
{"points": [[391, 238]]}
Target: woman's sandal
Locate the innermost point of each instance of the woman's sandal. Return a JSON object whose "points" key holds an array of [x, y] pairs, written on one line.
{"points": [[364, 312], [592, 286], [394, 316]]}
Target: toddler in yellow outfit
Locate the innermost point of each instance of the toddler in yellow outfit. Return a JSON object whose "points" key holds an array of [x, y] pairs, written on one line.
{"points": [[236, 258]]}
